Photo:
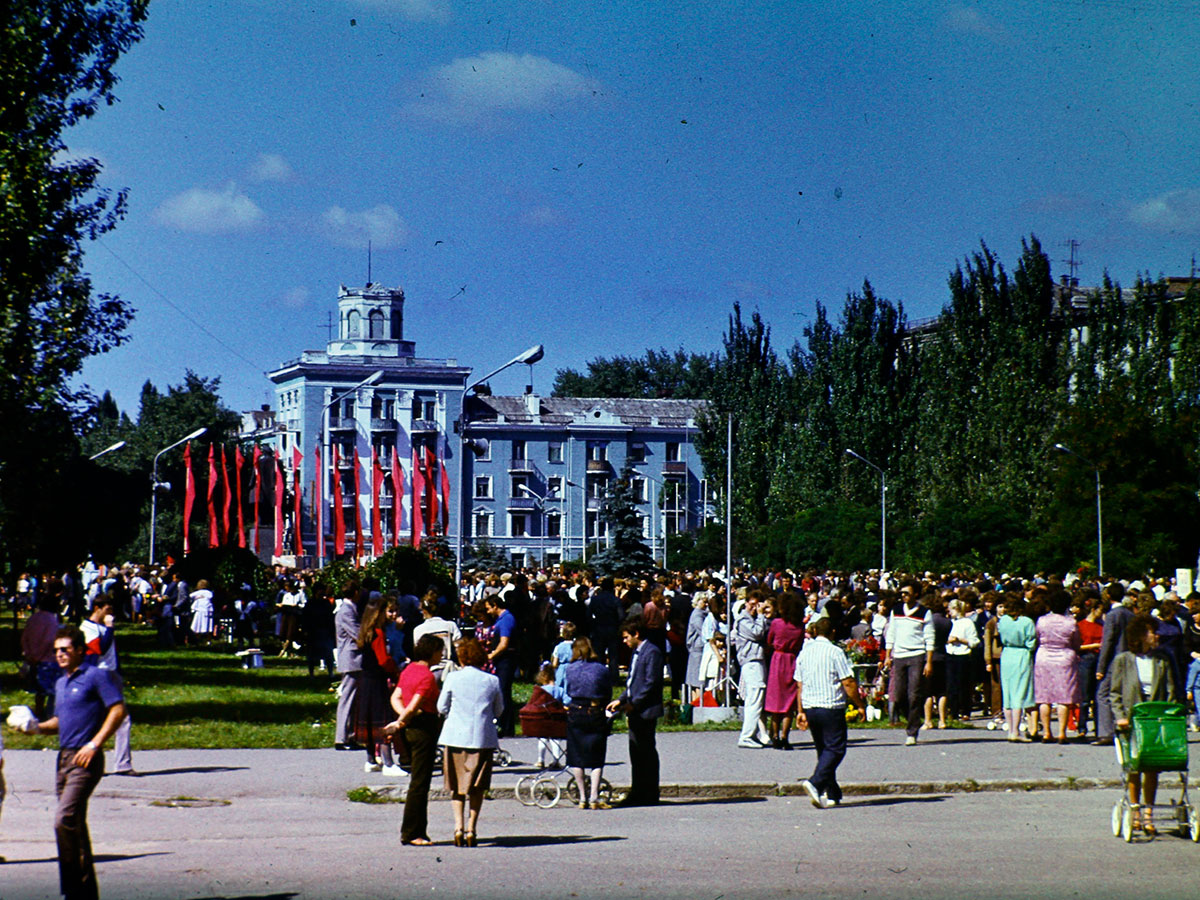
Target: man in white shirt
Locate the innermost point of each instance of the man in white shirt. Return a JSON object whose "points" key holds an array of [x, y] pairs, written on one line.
{"points": [[824, 683]]}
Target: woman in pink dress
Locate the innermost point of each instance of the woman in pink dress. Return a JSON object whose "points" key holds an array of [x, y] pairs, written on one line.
{"points": [[1056, 665], [784, 637]]}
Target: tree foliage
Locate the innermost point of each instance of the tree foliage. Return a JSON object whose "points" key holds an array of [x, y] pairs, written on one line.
{"points": [[660, 374], [57, 71], [626, 551]]}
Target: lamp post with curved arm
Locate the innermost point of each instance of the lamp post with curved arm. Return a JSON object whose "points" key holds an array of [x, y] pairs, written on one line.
{"points": [[529, 357], [1099, 521], [882, 505], [155, 484]]}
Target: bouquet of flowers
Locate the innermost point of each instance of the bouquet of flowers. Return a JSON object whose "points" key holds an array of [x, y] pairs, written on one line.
{"points": [[865, 650]]}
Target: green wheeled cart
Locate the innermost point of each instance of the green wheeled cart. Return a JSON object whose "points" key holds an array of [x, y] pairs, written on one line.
{"points": [[1156, 741]]}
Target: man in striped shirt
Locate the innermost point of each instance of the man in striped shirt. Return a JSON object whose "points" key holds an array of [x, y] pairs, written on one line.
{"points": [[824, 683]]}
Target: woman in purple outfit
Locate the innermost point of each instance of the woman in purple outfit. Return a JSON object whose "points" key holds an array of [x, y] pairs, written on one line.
{"points": [[784, 637], [1056, 665]]}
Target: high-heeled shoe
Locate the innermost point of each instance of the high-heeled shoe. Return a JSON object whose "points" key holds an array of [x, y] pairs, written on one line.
{"points": [[458, 837], [469, 837]]}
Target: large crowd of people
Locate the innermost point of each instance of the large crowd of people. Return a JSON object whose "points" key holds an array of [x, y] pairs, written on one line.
{"points": [[1043, 658]]}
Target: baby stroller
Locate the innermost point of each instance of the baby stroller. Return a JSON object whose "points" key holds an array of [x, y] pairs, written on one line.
{"points": [[1156, 742], [544, 790]]}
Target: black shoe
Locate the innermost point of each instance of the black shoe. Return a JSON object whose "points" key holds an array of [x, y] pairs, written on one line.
{"points": [[349, 745], [1102, 742]]}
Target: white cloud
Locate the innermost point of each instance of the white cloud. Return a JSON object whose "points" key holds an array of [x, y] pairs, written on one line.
{"points": [[481, 88], [381, 225], [416, 10], [294, 298], [542, 216], [970, 20], [1172, 211], [210, 211], [271, 167]]}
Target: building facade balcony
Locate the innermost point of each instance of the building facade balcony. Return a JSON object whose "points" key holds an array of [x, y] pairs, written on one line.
{"points": [[388, 425], [522, 503], [424, 426], [677, 469], [520, 465], [599, 465]]}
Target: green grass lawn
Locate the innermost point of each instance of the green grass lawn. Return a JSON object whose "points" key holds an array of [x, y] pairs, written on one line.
{"points": [[202, 697]]}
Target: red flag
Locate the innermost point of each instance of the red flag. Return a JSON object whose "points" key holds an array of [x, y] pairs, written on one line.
{"points": [[376, 517], [257, 457], [280, 488], [189, 496], [397, 496], [228, 496], [431, 495], [297, 539], [238, 462], [319, 503], [358, 531], [339, 514], [212, 490], [418, 501], [445, 489]]}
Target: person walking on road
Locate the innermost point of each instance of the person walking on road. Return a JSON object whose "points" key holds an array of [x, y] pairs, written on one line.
{"points": [[101, 644], [641, 702], [824, 684], [346, 621], [89, 710], [909, 656]]}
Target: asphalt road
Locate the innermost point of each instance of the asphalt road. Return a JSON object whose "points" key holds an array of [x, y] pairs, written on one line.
{"points": [[1039, 844]]}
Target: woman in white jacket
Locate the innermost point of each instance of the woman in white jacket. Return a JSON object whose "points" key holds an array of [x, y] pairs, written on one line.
{"points": [[471, 702]]}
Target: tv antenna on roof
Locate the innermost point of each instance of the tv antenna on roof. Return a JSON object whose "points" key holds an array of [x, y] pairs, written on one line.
{"points": [[1073, 263], [368, 263]]}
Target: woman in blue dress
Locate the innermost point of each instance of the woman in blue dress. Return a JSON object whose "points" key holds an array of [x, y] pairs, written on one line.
{"points": [[1018, 637], [589, 686]]}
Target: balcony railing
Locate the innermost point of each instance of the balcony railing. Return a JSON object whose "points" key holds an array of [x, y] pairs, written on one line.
{"points": [[424, 426], [674, 468], [383, 424], [599, 465], [522, 503], [520, 465]]}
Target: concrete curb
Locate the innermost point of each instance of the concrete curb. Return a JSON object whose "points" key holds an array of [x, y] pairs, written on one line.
{"points": [[759, 790]]}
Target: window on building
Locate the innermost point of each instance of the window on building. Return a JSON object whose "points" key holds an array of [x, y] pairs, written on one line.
{"points": [[396, 332], [518, 525], [553, 526], [637, 452], [353, 324], [518, 450], [672, 520], [639, 489], [595, 526], [348, 408], [483, 487], [483, 524], [383, 407], [672, 451], [376, 322], [519, 482], [645, 520], [597, 451], [554, 486], [597, 487], [554, 452]]}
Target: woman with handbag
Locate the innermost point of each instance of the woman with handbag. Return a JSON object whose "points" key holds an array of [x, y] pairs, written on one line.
{"points": [[471, 701], [415, 700]]}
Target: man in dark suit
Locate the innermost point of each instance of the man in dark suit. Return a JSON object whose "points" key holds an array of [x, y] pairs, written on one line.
{"points": [[642, 704]]}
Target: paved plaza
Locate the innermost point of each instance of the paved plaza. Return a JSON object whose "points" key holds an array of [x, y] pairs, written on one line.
{"points": [[963, 808]]}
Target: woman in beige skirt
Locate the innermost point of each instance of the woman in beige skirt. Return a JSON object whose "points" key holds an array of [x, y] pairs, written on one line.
{"points": [[471, 702]]}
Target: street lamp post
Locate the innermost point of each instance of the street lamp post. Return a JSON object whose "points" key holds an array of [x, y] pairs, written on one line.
{"points": [[1099, 519], [529, 356], [583, 509], [541, 501], [155, 484], [326, 461], [662, 488], [882, 507], [109, 449]]}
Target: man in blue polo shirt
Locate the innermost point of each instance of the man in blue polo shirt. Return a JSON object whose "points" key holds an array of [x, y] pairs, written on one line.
{"points": [[89, 708], [503, 657]]}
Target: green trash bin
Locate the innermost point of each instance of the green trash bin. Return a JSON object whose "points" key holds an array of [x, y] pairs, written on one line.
{"points": [[1158, 737]]}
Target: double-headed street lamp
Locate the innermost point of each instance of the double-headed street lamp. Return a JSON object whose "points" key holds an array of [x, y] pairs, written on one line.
{"points": [[529, 357], [882, 506], [155, 484], [1099, 521]]}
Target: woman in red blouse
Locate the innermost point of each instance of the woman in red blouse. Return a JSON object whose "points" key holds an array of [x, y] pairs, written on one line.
{"points": [[415, 699], [1091, 630]]}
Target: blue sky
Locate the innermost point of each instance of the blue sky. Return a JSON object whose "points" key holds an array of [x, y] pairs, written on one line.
{"points": [[606, 177]]}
